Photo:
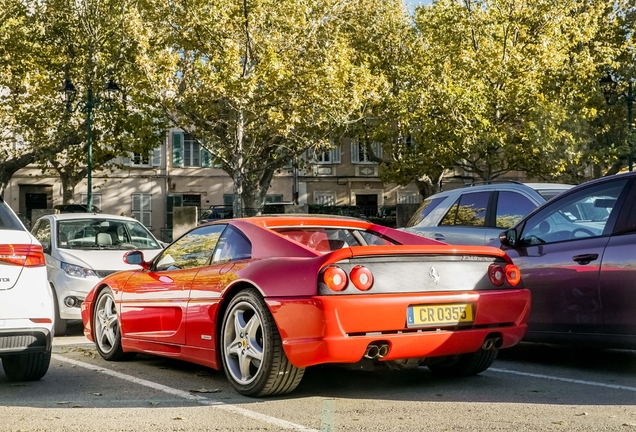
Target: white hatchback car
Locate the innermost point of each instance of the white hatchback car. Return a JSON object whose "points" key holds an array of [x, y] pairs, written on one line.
{"points": [[83, 248], [26, 303]]}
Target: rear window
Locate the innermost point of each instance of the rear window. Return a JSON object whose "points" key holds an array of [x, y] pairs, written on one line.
{"points": [[8, 220], [427, 206], [331, 239], [549, 194]]}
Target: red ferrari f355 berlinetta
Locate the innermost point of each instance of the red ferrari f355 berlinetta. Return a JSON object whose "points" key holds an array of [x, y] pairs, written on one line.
{"points": [[263, 298]]}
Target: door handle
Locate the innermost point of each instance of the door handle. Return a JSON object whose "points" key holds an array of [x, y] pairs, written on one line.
{"points": [[439, 236], [585, 258]]}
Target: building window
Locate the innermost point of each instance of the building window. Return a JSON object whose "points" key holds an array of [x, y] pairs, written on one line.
{"points": [[140, 159], [142, 208], [191, 151], [360, 154], [408, 198], [325, 198], [97, 200], [331, 156]]}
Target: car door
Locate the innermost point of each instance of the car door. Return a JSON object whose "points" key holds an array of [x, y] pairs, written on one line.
{"points": [[154, 301], [560, 251], [231, 251], [465, 221], [618, 272]]}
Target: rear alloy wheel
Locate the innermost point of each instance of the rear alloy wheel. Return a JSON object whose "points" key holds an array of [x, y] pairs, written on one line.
{"points": [[106, 328], [465, 364], [251, 349], [59, 328], [26, 367]]}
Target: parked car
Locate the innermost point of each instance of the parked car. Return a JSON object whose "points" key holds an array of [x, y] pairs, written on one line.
{"points": [[216, 212], [26, 303], [475, 215], [263, 298], [75, 208], [83, 248], [577, 255]]}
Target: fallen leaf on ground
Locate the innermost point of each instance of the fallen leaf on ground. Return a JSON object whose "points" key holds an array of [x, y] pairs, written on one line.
{"points": [[204, 390]]}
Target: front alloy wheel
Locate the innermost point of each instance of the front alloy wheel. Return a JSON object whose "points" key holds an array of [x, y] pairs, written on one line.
{"points": [[252, 352], [106, 328]]}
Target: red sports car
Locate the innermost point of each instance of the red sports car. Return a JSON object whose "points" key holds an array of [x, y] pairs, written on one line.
{"points": [[263, 298]]}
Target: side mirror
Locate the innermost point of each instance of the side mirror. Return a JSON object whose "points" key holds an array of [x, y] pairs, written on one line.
{"points": [[508, 238], [136, 258]]}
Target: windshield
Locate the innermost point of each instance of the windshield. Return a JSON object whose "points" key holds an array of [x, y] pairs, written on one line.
{"points": [[91, 234]]}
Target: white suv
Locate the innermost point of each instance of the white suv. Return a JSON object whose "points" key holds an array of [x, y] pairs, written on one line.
{"points": [[26, 303], [83, 248]]}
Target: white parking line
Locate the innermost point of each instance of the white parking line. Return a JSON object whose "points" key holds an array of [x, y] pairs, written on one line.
{"points": [[568, 380], [186, 395]]}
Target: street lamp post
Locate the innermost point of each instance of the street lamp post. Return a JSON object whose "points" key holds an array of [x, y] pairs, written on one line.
{"points": [[612, 97], [91, 103]]}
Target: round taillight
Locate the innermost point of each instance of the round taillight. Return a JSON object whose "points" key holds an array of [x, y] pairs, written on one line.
{"points": [[513, 274], [361, 277], [335, 278], [496, 274]]}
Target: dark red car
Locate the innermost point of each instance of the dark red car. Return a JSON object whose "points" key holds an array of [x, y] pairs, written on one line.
{"points": [[264, 298], [577, 255]]}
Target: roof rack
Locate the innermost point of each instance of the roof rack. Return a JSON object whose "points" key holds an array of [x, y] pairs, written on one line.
{"points": [[487, 182]]}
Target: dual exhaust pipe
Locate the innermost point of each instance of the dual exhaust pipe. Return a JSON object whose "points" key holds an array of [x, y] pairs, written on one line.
{"points": [[379, 350], [492, 343], [376, 350]]}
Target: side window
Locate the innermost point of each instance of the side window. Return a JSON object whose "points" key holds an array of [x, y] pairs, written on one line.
{"points": [[192, 250], [468, 210], [511, 208], [232, 246], [583, 214], [42, 232], [425, 209]]}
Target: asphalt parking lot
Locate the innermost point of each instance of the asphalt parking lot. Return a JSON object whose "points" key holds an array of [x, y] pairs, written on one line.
{"points": [[530, 387]]}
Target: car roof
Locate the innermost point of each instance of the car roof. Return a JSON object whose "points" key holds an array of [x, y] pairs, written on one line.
{"points": [[504, 185], [309, 220], [71, 216], [549, 186]]}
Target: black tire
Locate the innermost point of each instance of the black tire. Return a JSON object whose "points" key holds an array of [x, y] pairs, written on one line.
{"points": [[59, 326], [26, 367], [465, 364], [106, 332], [252, 351]]}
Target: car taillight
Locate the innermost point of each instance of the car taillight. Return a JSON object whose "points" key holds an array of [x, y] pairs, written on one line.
{"points": [[497, 274], [513, 274], [361, 277], [22, 255], [335, 278]]}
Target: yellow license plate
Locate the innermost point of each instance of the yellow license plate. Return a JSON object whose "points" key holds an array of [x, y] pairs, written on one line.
{"points": [[444, 314]]}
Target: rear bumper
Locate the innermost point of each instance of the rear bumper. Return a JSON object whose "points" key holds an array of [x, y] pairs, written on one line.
{"points": [[338, 329], [21, 341]]}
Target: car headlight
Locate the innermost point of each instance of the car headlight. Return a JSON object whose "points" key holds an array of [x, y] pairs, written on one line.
{"points": [[77, 271]]}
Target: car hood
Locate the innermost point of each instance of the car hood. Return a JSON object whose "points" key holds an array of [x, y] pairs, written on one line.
{"points": [[101, 259]]}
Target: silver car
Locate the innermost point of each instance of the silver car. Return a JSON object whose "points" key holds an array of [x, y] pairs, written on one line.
{"points": [[476, 215]]}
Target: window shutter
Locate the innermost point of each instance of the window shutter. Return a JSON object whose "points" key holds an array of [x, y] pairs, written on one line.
{"points": [[335, 155], [156, 156], [177, 149], [355, 151], [377, 149], [206, 158], [125, 160]]}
